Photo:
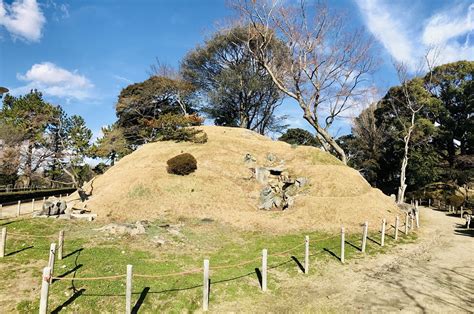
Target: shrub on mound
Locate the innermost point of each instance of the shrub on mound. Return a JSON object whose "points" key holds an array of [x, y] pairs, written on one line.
{"points": [[182, 164]]}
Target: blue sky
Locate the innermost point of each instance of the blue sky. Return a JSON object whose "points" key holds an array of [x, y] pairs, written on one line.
{"points": [[82, 53]]}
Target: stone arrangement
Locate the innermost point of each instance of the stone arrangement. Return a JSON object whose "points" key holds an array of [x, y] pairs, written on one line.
{"points": [[279, 187]]}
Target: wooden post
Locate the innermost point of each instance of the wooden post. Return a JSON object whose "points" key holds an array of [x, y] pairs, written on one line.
{"points": [[343, 241], [468, 223], [61, 245], [264, 269], [429, 202], [52, 255], [397, 222], [411, 222], [60, 197], [45, 282], [18, 209], [364, 236], [416, 204], [406, 223], [3, 242], [33, 205], [306, 255], [382, 239], [205, 291], [417, 219], [128, 290], [462, 209], [44, 199]]}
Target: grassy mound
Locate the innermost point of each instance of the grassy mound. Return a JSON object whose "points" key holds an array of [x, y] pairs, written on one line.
{"points": [[222, 188]]}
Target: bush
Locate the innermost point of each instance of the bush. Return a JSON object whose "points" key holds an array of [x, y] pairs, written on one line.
{"points": [[182, 164], [455, 200]]}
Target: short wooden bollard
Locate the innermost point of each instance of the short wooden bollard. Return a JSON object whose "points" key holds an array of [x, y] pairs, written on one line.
{"points": [[429, 202], [417, 219], [462, 209], [60, 197], [411, 222], [18, 209], [406, 223], [343, 241], [128, 290], [205, 286], [33, 205], [416, 204], [52, 257], [3, 242], [468, 223], [382, 238], [397, 222], [264, 269], [45, 282], [306, 254], [364, 236], [61, 245]]}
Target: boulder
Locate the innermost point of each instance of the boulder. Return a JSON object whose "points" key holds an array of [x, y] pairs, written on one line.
{"points": [[53, 207], [266, 198], [262, 174]]}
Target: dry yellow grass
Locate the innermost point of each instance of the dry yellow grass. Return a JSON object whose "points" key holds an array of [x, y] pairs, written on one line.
{"points": [[138, 186]]}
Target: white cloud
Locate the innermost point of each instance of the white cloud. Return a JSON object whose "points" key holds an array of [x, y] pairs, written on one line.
{"points": [[23, 19], [445, 28], [56, 81], [387, 29], [449, 30]]}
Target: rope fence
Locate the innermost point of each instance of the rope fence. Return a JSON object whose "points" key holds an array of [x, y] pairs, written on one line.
{"points": [[19, 206], [48, 272]]}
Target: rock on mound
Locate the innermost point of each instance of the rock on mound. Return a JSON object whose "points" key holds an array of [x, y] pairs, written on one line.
{"points": [[224, 187]]}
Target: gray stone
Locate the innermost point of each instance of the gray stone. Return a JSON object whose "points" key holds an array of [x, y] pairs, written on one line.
{"points": [[53, 207], [266, 198], [262, 174], [249, 158], [291, 190]]}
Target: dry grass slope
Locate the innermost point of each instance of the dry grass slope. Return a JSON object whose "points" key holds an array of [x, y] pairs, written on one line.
{"points": [[139, 187]]}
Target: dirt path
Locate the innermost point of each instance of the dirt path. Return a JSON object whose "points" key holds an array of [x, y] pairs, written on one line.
{"points": [[10, 211], [433, 275]]}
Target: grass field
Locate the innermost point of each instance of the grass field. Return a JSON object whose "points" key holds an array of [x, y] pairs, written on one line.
{"points": [[91, 253]]}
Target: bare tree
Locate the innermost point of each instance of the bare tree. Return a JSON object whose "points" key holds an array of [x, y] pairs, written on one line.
{"points": [[408, 102], [324, 66]]}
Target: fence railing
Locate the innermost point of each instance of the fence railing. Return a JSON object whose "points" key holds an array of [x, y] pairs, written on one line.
{"points": [[48, 276]]}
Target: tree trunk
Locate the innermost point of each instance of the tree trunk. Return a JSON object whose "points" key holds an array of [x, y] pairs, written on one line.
{"points": [[328, 139], [403, 186]]}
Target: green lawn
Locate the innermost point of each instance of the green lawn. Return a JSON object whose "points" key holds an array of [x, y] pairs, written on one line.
{"points": [[90, 253]]}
